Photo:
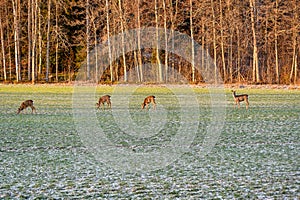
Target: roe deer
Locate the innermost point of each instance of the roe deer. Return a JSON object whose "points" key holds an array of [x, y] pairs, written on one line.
{"points": [[239, 98], [25, 104], [148, 100], [102, 100]]}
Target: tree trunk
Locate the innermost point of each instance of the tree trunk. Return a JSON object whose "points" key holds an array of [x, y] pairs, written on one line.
{"points": [[214, 40], [230, 17], [293, 74], [173, 18], [96, 52], [87, 17], [3, 49], [123, 42], [139, 53], [29, 38], [57, 44], [296, 69], [34, 39], [108, 41], [255, 69], [136, 66], [40, 39], [48, 41], [160, 76], [166, 41], [230, 57], [192, 38], [16, 39], [266, 34], [276, 45], [238, 55], [10, 62], [222, 42], [203, 61]]}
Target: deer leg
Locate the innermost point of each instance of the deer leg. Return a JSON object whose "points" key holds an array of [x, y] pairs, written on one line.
{"points": [[32, 109], [247, 103], [234, 105], [154, 105]]}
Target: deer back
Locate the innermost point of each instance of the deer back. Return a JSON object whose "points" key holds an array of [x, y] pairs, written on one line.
{"points": [[149, 99], [25, 104], [105, 98]]}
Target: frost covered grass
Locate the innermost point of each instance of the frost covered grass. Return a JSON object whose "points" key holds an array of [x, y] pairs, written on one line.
{"points": [[256, 156]]}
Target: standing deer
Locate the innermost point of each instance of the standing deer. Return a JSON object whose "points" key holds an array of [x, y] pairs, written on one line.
{"points": [[239, 98], [148, 100], [102, 100], [25, 104]]}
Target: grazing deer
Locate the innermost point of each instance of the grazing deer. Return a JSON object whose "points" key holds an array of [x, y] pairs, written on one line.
{"points": [[239, 98], [102, 100], [25, 104], [148, 100]]}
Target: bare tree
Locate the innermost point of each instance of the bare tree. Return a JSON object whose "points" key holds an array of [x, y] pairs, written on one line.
{"points": [[173, 11], [2, 48], [157, 53], [7, 32], [214, 38], [29, 7], [108, 40], [40, 41], [166, 41], [230, 18], [222, 28], [139, 53], [34, 39], [93, 22], [222, 41], [193, 43], [255, 69], [123, 42], [56, 41], [276, 42], [87, 17], [48, 41], [15, 4], [238, 55], [295, 42]]}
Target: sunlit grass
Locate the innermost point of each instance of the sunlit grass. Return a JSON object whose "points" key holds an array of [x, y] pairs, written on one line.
{"points": [[256, 156]]}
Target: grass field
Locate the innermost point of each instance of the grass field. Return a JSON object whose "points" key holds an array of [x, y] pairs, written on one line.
{"points": [[255, 157]]}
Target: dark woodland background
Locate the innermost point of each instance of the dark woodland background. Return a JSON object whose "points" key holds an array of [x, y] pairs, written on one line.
{"points": [[250, 41]]}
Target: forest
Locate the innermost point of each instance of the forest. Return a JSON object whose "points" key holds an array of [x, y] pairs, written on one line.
{"points": [[251, 41]]}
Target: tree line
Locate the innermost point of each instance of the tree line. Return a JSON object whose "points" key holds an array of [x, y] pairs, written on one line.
{"points": [[252, 41]]}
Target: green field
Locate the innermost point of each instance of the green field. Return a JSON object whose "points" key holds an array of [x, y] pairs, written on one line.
{"points": [[44, 155]]}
